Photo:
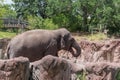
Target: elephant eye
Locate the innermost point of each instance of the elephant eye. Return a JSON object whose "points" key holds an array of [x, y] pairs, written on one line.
{"points": [[71, 39]]}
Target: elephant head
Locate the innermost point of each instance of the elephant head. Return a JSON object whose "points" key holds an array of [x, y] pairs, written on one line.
{"points": [[68, 42]]}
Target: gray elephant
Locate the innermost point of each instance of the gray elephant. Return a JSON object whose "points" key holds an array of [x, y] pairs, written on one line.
{"points": [[36, 44]]}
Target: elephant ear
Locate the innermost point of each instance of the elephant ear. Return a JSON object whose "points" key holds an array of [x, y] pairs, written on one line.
{"points": [[62, 42]]}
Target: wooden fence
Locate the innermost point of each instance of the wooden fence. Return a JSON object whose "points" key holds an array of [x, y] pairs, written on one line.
{"points": [[14, 24]]}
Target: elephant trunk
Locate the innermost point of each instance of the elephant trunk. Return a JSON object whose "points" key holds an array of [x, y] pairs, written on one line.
{"points": [[76, 46]]}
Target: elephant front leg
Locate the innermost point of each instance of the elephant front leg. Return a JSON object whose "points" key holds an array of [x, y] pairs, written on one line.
{"points": [[52, 51]]}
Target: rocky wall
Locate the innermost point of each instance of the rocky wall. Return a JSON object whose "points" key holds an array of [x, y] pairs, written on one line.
{"points": [[99, 61], [14, 69], [54, 68], [3, 45], [107, 50]]}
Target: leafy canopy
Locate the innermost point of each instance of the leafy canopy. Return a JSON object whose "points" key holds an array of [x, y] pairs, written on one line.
{"points": [[76, 15]]}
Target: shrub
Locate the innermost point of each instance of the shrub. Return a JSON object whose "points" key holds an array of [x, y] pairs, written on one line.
{"points": [[40, 23]]}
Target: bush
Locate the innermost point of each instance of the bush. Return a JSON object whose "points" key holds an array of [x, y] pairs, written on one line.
{"points": [[40, 23], [48, 24], [35, 22]]}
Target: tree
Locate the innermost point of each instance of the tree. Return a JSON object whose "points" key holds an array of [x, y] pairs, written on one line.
{"points": [[112, 16], [30, 7], [6, 10], [76, 15]]}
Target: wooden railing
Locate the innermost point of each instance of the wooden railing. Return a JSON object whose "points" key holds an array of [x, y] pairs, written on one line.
{"points": [[14, 23]]}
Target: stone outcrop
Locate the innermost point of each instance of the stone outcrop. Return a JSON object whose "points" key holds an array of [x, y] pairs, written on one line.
{"points": [[14, 69], [51, 68], [54, 68], [89, 48], [108, 50], [102, 71], [48, 68]]}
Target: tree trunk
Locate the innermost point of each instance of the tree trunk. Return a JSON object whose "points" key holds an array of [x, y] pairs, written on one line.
{"points": [[85, 20]]}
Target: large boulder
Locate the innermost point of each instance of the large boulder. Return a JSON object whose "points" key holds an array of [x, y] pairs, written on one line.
{"points": [[14, 69], [50, 68]]}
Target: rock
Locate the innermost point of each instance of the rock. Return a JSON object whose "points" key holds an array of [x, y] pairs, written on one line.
{"points": [[102, 71], [54, 68], [117, 54], [108, 52], [14, 69], [89, 48], [100, 51], [51, 68]]}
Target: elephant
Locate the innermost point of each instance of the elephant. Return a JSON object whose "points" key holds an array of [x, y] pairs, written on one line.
{"points": [[35, 44]]}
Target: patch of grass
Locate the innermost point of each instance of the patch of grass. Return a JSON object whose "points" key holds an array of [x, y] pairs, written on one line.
{"points": [[98, 36], [118, 76], [92, 37], [7, 34], [81, 76]]}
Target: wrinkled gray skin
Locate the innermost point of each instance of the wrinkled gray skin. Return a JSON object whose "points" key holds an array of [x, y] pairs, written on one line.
{"points": [[36, 44]]}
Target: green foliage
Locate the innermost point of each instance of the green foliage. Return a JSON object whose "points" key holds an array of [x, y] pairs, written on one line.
{"points": [[75, 15], [92, 37], [40, 23], [6, 11], [35, 22], [48, 24], [1, 24], [61, 20], [81, 76], [118, 76], [98, 36], [30, 7]]}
